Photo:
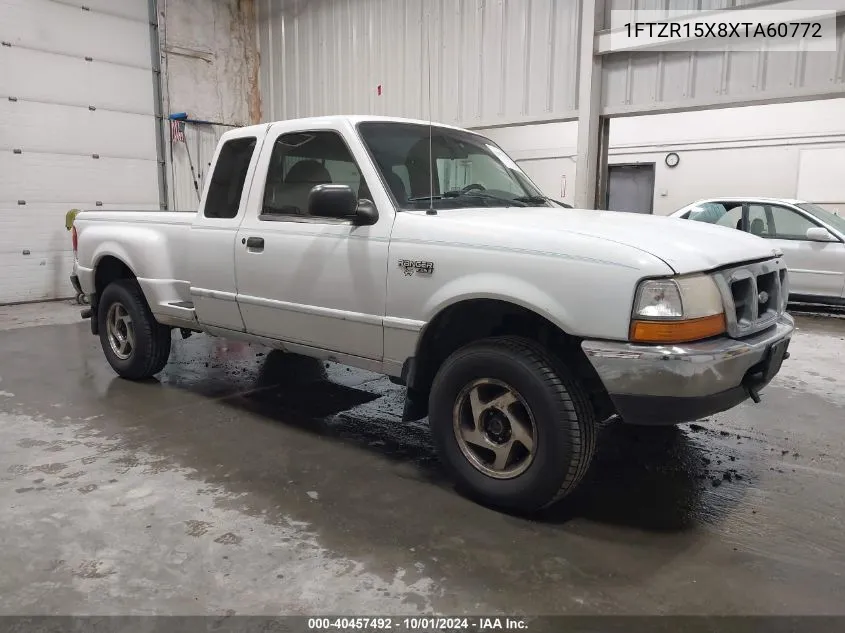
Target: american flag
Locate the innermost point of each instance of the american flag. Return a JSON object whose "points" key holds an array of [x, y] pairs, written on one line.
{"points": [[177, 131]]}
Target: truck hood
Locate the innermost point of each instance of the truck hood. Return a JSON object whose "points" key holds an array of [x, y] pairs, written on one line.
{"points": [[686, 246]]}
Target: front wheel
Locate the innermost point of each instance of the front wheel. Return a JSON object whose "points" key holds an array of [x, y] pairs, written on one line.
{"points": [[510, 422], [135, 344]]}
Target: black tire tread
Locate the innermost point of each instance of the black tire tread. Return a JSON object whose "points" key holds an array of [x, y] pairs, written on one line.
{"points": [[157, 336], [573, 399], [574, 407]]}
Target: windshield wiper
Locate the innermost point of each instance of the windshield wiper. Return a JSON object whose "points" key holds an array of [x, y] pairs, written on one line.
{"points": [[457, 193], [425, 198], [541, 199]]}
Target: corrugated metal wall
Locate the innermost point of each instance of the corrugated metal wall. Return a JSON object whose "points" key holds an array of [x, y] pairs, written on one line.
{"points": [[496, 62], [644, 82], [492, 61]]}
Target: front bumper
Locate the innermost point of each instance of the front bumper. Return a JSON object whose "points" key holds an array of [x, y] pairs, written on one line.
{"points": [[669, 384]]}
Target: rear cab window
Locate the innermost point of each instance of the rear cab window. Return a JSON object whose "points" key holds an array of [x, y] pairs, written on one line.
{"points": [[227, 181]]}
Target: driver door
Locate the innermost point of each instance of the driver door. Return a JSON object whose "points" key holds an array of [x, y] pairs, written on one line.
{"points": [[313, 281]]}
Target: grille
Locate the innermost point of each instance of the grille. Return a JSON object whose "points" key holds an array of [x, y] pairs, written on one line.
{"points": [[754, 296]]}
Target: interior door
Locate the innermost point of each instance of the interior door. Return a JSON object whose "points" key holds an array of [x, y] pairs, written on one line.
{"points": [[631, 188], [310, 280], [816, 269]]}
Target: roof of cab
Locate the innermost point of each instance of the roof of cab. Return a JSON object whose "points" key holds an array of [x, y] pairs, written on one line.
{"points": [[338, 119]]}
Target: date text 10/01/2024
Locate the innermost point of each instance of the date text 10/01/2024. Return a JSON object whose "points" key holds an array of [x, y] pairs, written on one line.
{"points": [[724, 29], [417, 624]]}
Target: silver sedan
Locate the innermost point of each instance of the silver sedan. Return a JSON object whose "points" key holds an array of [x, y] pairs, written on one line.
{"points": [[812, 239]]}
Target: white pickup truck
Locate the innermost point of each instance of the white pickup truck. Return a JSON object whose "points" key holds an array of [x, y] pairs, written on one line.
{"points": [[425, 253]]}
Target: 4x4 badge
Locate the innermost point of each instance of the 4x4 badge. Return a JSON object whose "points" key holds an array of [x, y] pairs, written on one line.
{"points": [[409, 267]]}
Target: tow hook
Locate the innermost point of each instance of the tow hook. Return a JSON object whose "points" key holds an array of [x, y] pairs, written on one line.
{"points": [[752, 383], [752, 387]]}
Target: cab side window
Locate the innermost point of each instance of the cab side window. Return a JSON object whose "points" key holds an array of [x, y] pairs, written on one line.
{"points": [[227, 181], [302, 160]]}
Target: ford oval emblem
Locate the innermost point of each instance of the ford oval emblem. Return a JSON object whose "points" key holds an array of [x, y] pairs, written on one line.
{"points": [[763, 296]]}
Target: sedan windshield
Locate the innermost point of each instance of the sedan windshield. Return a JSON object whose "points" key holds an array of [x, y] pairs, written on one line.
{"points": [[465, 169], [833, 219]]}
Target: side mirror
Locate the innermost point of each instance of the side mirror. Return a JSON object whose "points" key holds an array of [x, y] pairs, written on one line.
{"points": [[820, 234], [339, 201], [332, 201]]}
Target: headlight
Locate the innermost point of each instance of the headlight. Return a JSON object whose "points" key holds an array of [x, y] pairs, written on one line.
{"points": [[677, 310]]}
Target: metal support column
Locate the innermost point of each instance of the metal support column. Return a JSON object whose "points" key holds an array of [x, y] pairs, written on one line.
{"points": [[155, 57], [603, 136], [587, 165]]}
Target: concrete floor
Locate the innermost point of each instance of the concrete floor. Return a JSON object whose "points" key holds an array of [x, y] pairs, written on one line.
{"points": [[250, 483]]}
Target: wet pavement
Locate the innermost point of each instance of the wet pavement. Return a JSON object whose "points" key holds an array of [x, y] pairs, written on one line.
{"points": [[245, 481]]}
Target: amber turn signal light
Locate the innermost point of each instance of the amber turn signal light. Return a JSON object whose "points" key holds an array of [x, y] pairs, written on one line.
{"points": [[681, 331]]}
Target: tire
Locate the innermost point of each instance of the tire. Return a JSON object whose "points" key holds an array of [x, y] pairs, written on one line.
{"points": [[149, 347], [542, 394]]}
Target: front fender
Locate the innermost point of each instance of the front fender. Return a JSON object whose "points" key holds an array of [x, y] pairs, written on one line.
{"points": [[501, 287]]}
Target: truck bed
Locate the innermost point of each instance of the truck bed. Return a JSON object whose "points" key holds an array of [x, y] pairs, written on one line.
{"points": [[157, 254]]}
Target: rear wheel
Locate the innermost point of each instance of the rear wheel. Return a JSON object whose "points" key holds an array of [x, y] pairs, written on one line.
{"points": [[511, 423], [134, 343]]}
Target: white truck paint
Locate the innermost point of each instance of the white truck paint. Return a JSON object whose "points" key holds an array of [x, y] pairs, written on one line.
{"points": [[344, 263]]}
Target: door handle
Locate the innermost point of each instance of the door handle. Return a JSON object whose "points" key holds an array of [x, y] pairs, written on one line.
{"points": [[256, 243]]}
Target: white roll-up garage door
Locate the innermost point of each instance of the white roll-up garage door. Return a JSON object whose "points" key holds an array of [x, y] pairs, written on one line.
{"points": [[77, 130]]}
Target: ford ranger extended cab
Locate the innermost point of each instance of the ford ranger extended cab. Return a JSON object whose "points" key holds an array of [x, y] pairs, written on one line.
{"points": [[425, 253]]}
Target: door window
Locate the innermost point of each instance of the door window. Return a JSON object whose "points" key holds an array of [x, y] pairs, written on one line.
{"points": [[834, 219], [302, 160], [787, 224], [227, 181], [759, 220]]}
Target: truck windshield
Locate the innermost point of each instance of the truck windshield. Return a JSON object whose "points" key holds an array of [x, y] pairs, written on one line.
{"points": [[465, 170]]}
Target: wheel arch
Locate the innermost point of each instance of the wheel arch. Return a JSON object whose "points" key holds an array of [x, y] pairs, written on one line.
{"points": [[470, 319], [108, 267]]}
